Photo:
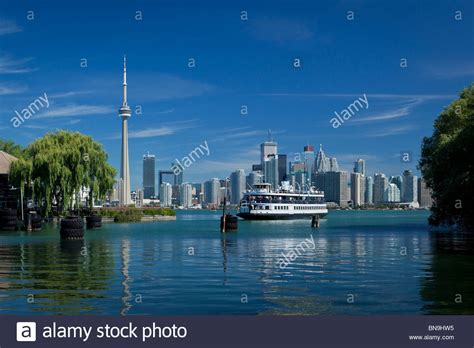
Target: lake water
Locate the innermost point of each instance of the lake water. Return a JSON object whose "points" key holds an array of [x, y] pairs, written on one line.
{"points": [[361, 262]]}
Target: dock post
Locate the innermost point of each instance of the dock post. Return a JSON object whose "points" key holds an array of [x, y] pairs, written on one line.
{"points": [[223, 214], [29, 226], [315, 221]]}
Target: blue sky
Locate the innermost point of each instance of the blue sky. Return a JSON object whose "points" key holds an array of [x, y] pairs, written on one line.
{"points": [[237, 63]]}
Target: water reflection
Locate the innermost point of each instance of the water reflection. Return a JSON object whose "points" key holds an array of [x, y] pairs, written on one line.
{"points": [[104, 273], [54, 276], [127, 294], [228, 245], [449, 287]]}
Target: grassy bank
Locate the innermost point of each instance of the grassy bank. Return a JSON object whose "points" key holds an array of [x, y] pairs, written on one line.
{"points": [[134, 214]]}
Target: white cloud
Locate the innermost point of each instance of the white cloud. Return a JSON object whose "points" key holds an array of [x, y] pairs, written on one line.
{"points": [[68, 94], [391, 131], [8, 27], [166, 129], [9, 65], [386, 115], [75, 110], [153, 132], [6, 90], [167, 111]]}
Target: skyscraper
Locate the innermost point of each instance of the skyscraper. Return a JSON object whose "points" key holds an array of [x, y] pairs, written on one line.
{"points": [[125, 113], [359, 166], [267, 149], [148, 176], [424, 194], [369, 190], [397, 180], [335, 186], [186, 195], [322, 164], [282, 168], [237, 184], [392, 193], [165, 194], [409, 191], [301, 181], [333, 166], [308, 158], [254, 178], [271, 170], [211, 192], [380, 185], [357, 189]]}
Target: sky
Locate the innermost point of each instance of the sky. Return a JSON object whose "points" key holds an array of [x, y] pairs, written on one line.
{"points": [[292, 64]]}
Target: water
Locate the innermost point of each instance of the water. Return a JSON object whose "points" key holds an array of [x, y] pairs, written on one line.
{"points": [[364, 262]]}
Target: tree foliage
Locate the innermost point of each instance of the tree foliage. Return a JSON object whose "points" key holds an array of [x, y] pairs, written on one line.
{"points": [[447, 162], [57, 166], [11, 148]]}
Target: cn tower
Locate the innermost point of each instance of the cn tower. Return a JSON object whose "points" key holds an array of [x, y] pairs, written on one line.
{"points": [[124, 113]]}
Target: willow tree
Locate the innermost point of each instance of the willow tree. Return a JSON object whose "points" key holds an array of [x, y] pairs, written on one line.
{"points": [[59, 165], [447, 163], [11, 148]]}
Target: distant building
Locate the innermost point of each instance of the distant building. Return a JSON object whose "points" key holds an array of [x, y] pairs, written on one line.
{"points": [[392, 193], [186, 195], [211, 192], [333, 166], [221, 195], [424, 194], [322, 164], [170, 177], [254, 178], [282, 168], [296, 167], [237, 184], [257, 168], [148, 176], [359, 166], [165, 194], [198, 191], [369, 190], [397, 180], [139, 198], [380, 185], [300, 181], [409, 191], [335, 186], [357, 189], [267, 149], [308, 159], [271, 171]]}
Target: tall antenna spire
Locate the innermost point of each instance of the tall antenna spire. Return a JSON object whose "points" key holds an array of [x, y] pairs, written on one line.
{"points": [[270, 138], [124, 102]]}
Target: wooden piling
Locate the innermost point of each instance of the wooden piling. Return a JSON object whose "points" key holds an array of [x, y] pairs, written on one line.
{"points": [[315, 221]]}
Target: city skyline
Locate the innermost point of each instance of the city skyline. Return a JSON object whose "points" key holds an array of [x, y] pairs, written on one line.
{"points": [[230, 92]]}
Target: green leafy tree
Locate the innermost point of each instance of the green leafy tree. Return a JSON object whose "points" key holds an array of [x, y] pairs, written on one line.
{"points": [[57, 166], [11, 148], [447, 163]]}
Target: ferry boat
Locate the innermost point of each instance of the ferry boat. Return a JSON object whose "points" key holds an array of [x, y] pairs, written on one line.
{"points": [[261, 203]]}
